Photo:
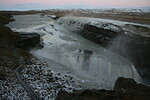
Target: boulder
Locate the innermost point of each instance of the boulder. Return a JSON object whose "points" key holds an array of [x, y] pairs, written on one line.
{"points": [[127, 88], [88, 52]]}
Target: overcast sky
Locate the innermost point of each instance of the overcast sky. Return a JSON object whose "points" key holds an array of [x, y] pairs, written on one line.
{"points": [[46, 4]]}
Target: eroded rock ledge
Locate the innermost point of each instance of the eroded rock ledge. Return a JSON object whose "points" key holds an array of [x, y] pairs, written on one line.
{"points": [[29, 41], [14, 45]]}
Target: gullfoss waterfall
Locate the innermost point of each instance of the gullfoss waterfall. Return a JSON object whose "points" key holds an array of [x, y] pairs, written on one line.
{"points": [[90, 65]]}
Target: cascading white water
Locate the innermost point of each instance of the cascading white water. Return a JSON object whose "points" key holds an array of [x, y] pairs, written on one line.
{"points": [[86, 60], [93, 68]]}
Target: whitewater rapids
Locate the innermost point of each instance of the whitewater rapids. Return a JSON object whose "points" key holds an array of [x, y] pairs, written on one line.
{"points": [[90, 64]]}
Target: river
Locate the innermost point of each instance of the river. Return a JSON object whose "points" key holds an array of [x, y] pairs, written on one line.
{"points": [[92, 65]]}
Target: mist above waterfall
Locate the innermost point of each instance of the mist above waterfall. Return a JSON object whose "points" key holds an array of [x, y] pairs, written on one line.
{"points": [[87, 62]]}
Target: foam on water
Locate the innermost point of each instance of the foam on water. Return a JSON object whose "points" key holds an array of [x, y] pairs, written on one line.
{"points": [[87, 61]]}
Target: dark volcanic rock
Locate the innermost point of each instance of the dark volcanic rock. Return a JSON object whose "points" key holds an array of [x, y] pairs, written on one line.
{"points": [[125, 86], [98, 35], [29, 41], [5, 18], [86, 95], [89, 52], [128, 89], [11, 44], [125, 89]]}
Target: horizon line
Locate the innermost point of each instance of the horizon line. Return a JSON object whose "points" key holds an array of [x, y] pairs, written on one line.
{"points": [[71, 8]]}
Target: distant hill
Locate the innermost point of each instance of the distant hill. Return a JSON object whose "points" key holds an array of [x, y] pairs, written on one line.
{"points": [[144, 7]]}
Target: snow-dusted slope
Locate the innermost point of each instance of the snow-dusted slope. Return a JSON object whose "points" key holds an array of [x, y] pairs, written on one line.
{"points": [[114, 10], [77, 23]]}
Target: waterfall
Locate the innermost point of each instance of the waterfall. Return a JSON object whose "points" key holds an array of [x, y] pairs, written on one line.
{"points": [[93, 67], [88, 61]]}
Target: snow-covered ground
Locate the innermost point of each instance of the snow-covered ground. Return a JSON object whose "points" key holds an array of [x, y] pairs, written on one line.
{"points": [[114, 10], [11, 89], [44, 82]]}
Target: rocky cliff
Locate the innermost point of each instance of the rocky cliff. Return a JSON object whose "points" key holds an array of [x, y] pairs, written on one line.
{"points": [[13, 45]]}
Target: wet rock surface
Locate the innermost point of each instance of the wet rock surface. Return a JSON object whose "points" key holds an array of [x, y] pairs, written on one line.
{"points": [[28, 41], [128, 88], [98, 35], [88, 52], [124, 89]]}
